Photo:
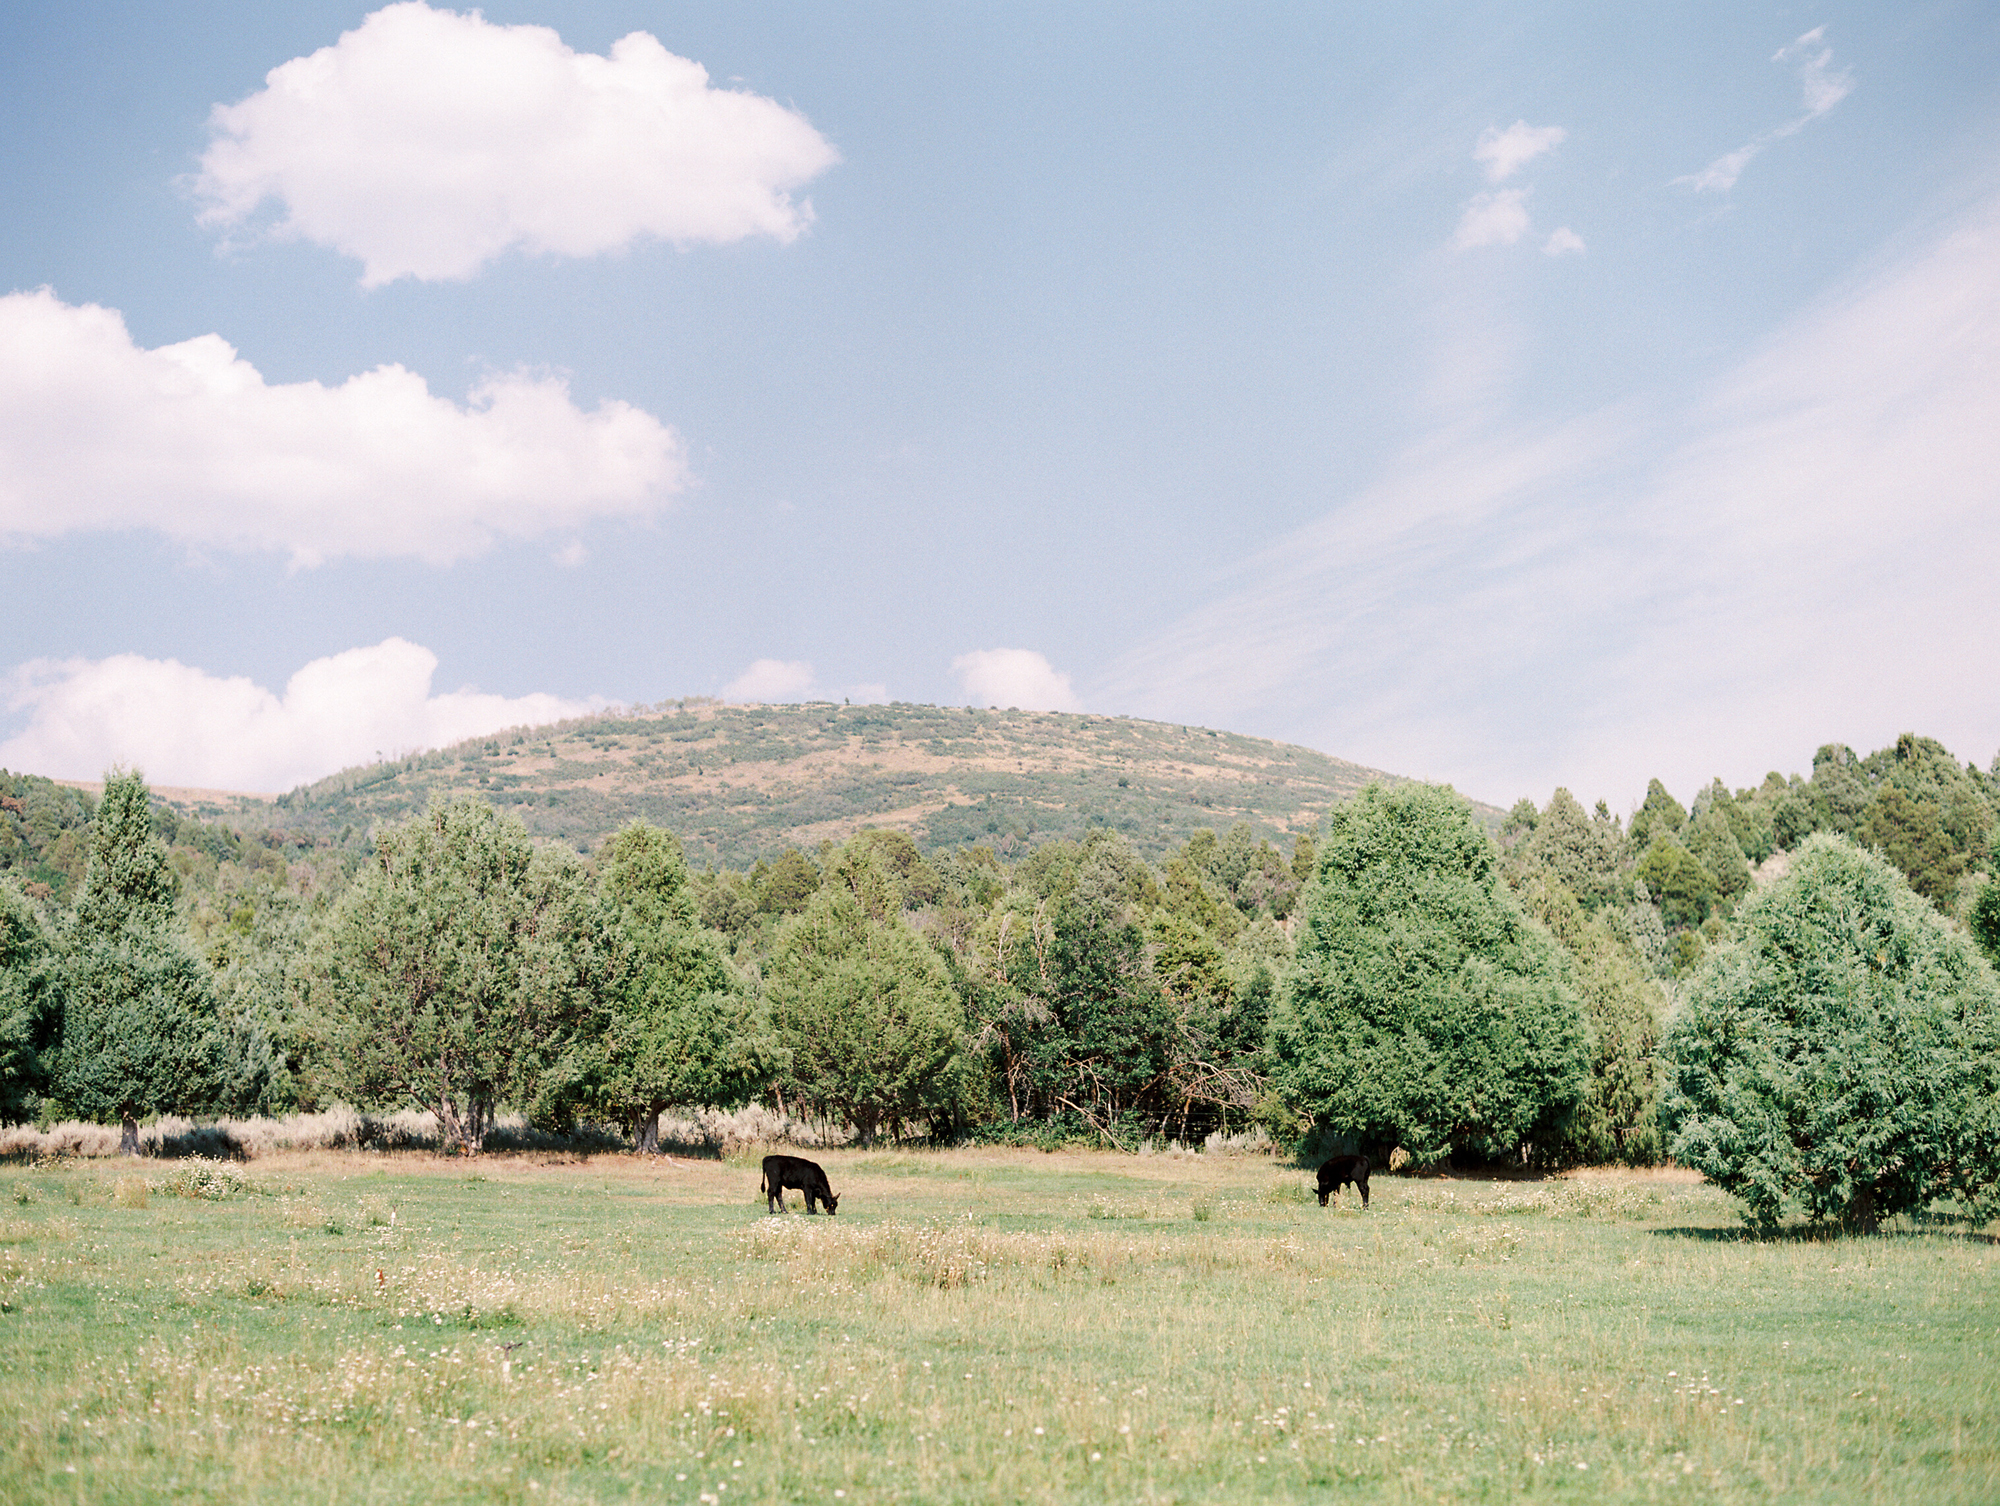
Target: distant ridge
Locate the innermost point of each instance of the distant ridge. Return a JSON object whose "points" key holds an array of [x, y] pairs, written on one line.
{"points": [[737, 783]]}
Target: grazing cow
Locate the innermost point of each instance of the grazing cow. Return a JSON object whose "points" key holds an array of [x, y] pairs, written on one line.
{"points": [[781, 1172], [1338, 1172]]}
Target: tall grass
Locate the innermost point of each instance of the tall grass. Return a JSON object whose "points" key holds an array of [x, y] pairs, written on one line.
{"points": [[974, 1326]]}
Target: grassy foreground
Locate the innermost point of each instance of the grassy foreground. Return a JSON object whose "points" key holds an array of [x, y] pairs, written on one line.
{"points": [[975, 1326]]}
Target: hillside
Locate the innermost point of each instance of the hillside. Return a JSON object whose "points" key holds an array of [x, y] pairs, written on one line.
{"points": [[741, 782]]}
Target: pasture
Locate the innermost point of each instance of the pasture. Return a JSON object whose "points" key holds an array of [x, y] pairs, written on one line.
{"points": [[974, 1326]]}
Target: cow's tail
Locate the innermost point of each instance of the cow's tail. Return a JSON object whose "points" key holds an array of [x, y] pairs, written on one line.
{"points": [[764, 1185]]}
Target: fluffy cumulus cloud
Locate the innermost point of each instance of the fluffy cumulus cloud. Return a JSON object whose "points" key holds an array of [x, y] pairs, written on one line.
{"points": [[772, 680], [426, 142], [190, 440], [1505, 153], [1804, 553], [1017, 677], [1563, 241], [183, 726], [1821, 87], [1493, 219]]}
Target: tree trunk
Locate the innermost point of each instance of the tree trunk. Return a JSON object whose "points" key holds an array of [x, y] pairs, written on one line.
{"points": [[128, 1136], [647, 1136]]}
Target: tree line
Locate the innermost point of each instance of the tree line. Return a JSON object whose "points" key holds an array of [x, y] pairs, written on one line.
{"points": [[1402, 980]]}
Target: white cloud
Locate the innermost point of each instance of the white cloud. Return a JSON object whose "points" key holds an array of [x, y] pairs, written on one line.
{"points": [[426, 143], [1820, 89], [183, 726], [189, 439], [1017, 677], [772, 680], [1805, 553], [1507, 152], [1493, 219], [1563, 242]]}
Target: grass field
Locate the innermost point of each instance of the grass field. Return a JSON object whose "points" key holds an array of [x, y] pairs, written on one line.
{"points": [[974, 1326]]}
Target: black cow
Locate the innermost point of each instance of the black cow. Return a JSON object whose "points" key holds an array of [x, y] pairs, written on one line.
{"points": [[1338, 1172], [781, 1172]]}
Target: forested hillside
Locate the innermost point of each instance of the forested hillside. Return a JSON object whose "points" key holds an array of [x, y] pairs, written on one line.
{"points": [[739, 783], [1042, 980]]}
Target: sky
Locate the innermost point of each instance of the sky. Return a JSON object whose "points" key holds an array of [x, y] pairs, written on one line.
{"points": [[1514, 395]]}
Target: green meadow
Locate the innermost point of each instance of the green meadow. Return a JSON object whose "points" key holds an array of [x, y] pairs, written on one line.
{"points": [[974, 1326]]}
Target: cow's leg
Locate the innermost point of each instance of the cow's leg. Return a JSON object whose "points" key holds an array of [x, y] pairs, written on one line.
{"points": [[1363, 1185]]}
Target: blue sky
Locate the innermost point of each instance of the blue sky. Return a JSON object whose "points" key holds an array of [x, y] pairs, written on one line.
{"points": [[1510, 395]]}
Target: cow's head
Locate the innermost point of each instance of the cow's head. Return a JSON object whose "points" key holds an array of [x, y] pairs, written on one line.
{"points": [[832, 1204]]}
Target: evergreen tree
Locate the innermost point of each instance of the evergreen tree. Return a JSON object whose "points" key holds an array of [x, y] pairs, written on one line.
{"points": [[674, 1024], [1841, 1054], [1424, 1009], [863, 1008], [1618, 1120], [30, 1012], [141, 1032], [1680, 885], [1582, 853], [1712, 843], [1657, 816], [455, 964]]}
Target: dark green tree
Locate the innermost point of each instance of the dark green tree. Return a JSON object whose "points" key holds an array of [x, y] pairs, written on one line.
{"points": [[863, 1009], [1424, 1009], [791, 881], [141, 1032], [1985, 921], [1711, 842], [455, 966], [30, 1011], [673, 1023], [1679, 884], [1657, 816], [1838, 1055], [1619, 1117], [1583, 853], [1910, 832]]}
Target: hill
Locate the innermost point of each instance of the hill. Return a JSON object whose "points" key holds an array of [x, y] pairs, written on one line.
{"points": [[737, 783]]}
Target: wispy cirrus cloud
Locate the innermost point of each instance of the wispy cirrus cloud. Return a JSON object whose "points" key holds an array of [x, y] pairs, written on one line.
{"points": [[1820, 89], [425, 143], [184, 726], [189, 440], [1805, 551]]}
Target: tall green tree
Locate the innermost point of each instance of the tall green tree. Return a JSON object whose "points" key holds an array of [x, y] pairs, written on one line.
{"points": [[1424, 1009], [1841, 1055], [1618, 1119], [1659, 814], [862, 1008], [454, 965], [30, 1011], [1679, 883], [673, 1022], [1711, 841], [1583, 853], [141, 1031]]}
